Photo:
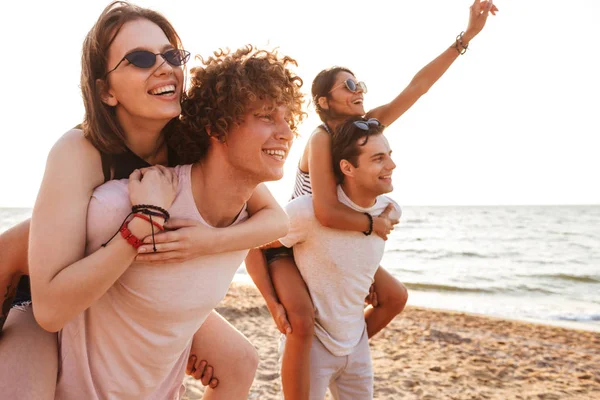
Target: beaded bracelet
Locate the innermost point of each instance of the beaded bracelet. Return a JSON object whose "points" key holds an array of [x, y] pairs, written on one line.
{"points": [[367, 233], [146, 209]]}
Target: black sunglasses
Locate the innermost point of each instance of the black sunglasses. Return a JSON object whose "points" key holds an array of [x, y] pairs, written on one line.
{"points": [[366, 125], [352, 86], [146, 59]]}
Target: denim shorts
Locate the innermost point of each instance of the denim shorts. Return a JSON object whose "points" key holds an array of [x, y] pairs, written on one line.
{"points": [[277, 253], [23, 295]]}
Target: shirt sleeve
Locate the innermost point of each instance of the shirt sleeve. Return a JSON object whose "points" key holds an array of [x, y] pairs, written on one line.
{"points": [[301, 215]]}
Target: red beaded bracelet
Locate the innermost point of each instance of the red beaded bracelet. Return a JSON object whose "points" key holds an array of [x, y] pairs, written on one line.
{"points": [[156, 224], [127, 235]]}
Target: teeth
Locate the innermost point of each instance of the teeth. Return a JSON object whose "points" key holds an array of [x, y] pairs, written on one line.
{"points": [[358, 101], [276, 153], [163, 89]]}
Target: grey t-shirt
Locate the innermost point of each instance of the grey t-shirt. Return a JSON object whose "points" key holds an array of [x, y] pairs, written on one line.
{"points": [[338, 268]]}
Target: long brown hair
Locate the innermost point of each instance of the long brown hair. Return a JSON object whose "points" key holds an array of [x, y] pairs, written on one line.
{"points": [[100, 125], [322, 85]]}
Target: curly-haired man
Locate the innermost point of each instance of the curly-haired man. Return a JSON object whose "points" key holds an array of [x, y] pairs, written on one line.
{"points": [[238, 122]]}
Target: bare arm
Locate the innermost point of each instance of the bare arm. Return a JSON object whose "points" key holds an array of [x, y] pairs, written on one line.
{"points": [[432, 72], [192, 239], [63, 282], [328, 210], [267, 222]]}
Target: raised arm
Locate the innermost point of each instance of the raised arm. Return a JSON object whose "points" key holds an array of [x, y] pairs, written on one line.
{"points": [[328, 209], [432, 72], [63, 282], [190, 239]]}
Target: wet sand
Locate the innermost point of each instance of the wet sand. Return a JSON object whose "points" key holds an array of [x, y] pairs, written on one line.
{"points": [[432, 354]]}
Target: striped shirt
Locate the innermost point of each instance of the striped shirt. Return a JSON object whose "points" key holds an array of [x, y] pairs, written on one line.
{"points": [[303, 185]]}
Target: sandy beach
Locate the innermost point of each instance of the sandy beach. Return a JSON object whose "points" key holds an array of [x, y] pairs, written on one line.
{"points": [[431, 354]]}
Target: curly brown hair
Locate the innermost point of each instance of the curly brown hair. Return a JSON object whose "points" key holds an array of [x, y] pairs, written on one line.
{"points": [[222, 90]]}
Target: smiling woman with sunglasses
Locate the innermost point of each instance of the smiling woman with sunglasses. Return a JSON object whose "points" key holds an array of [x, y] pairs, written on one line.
{"points": [[132, 82], [338, 95]]}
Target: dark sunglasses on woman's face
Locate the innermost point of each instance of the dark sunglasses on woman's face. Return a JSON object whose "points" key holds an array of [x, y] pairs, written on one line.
{"points": [[352, 86], [146, 59], [366, 125]]}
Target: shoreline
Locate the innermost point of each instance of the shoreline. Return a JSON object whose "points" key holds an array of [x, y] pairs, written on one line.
{"points": [[243, 279], [436, 354]]}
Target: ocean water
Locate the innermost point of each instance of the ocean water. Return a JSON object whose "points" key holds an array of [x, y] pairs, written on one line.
{"points": [[539, 263]]}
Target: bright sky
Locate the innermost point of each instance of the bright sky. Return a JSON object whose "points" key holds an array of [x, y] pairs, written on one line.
{"points": [[514, 121]]}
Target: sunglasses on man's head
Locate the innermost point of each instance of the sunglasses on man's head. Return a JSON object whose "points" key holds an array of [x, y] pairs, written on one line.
{"points": [[352, 86], [366, 125], [146, 59]]}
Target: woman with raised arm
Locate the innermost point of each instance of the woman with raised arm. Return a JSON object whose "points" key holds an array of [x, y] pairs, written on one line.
{"points": [[128, 105], [337, 95]]}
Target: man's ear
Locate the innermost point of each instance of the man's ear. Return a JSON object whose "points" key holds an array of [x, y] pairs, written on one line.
{"points": [[212, 137], [105, 95], [347, 168], [323, 103]]}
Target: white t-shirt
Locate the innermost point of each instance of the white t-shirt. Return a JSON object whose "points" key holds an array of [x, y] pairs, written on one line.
{"points": [[338, 268]]}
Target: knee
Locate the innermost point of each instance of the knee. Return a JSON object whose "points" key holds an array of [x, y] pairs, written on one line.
{"points": [[303, 323], [397, 300], [245, 364]]}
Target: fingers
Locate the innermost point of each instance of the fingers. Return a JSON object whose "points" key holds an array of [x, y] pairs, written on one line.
{"points": [[160, 247], [281, 320], [160, 258], [177, 223], [135, 176], [207, 376], [189, 368], [374, 301], [163, 237], [285, 326], [387, 211], [214, 382], [200, 366]]}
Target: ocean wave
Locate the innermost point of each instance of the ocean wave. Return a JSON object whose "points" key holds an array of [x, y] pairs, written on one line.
{"points": [[461, 254], [578, 318], [438, 287], [567, 277], [434, 287]]}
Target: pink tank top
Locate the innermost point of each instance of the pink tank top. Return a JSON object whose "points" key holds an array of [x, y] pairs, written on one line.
{"points": [[134, 342]]}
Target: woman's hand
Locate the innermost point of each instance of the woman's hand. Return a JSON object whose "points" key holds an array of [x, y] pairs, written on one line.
{"points": [[477, 18], [183, 240], [156, 186], [383, 224]]}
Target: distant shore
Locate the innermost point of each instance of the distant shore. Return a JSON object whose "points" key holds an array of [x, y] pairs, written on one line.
{"points": [[433, 354]]}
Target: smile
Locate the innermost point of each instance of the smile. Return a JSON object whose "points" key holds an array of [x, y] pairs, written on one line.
{"points": [[276, 154]]}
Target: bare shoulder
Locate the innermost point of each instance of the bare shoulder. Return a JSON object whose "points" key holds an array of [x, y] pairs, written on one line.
{"points": [[74, 155], [74, 140]]}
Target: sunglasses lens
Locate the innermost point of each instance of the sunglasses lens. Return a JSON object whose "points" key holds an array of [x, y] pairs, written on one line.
{"points": [[176, 57], [141, 59], [362, 86], [361, 125], [373, 122], [351, 85]]}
